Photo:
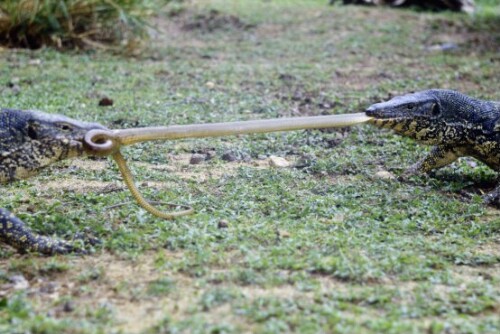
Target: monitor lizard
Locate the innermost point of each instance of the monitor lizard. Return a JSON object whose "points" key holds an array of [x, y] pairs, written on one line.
{"points": [[29, 141], [456, 124]]}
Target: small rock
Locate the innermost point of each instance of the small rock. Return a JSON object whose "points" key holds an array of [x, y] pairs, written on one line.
{"points": [[275, 161], [245, 157], [445, 47], [197, 159], [35, 62], [105, 102], [339, 218], [209, 155], [15, 89], [229, 156], [95, 79], [68, 307], [284, 234], [223, 224], [286, 77], [210, 84], [19, 282], [48, 288], [385, 175]]}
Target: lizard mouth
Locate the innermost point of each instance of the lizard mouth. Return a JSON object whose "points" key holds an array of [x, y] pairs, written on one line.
{"points": [[386, 122], [74, 148], [382, 117]]}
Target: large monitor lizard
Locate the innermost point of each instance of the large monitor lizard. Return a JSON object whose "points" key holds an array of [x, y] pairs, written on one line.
{"points": [[457, 125], [29, 141]]}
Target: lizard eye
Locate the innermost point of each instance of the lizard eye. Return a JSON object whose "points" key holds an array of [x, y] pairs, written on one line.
{"points": [[435, 110], [410, 106], [65, 126], [32, 132]]}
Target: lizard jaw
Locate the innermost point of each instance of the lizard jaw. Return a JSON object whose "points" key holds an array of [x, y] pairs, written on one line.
{"points": [[388, 123]]}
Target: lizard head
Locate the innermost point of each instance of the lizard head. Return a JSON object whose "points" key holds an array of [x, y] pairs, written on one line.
{"points": [[430, 117], [30, 140]]}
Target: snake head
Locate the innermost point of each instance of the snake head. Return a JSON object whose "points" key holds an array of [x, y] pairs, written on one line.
{"points": [[30, 140]]}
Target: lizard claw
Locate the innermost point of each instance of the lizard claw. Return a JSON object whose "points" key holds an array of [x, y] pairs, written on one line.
{"points": [[65, 248], [15, 233], [87, 238]]}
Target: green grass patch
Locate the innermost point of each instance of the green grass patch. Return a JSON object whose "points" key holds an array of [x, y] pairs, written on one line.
{"points": [[327, 246], [73, 23]]}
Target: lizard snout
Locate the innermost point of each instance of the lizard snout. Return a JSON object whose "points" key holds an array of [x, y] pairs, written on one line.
{"points": [[371, 111]]}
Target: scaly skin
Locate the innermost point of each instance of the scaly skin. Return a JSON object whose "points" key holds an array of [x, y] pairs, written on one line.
{"points": [[457, 125], [29, 141]]}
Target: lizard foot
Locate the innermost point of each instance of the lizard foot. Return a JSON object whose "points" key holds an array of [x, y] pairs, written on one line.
{"points": [[87, 238], [16, 234]]}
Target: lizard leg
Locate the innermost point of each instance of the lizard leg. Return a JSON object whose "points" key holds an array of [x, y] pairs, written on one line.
{"points": [[439, 156], [16, 234]]}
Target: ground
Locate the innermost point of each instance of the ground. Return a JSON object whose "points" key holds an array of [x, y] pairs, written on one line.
{"points": [[333, 243]]}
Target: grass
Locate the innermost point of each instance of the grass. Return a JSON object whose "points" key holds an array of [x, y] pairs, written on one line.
{"points": [[73, 23], [329, 247]]}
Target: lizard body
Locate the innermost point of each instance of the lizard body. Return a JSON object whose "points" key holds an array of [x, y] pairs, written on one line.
{"points": [[455, 124], [30, 141]]}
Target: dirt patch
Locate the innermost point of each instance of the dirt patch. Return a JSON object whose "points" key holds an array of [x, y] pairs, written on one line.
{"points": [[79, 186], [490, 248], [121, 286], [481, 35], [88, 164], [214, 20], [181, 167], [469, 274], [304, 102], [109, 282]]}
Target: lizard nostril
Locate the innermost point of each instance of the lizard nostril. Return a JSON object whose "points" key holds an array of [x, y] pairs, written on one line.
{"points": [[370, 111]]}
